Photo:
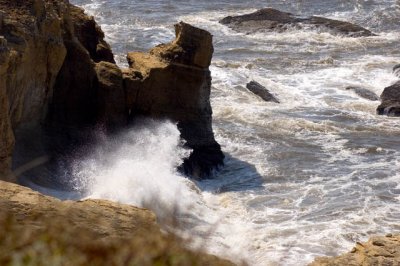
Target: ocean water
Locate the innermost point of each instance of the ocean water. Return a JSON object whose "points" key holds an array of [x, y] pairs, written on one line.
{"points": [[304, 178]]}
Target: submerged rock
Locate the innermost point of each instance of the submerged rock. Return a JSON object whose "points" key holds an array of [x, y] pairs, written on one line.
{"points": [[364, 93], [174, 81], [377, 251], [396, 70], [261, 91], [390, 98], [274, 20]]}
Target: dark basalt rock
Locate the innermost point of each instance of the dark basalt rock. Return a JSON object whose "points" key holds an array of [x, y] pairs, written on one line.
{"points": [[261, 91], [274, 20], [396, 70], [390, 97], [364, 93]]}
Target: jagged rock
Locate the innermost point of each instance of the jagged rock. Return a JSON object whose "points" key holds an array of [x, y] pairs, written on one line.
{"points": [[173, 81], [268, 19], [364, 93], [59, 85], [91, 36], [47, 231], [261, 91], [390, 98], [378, 251]]}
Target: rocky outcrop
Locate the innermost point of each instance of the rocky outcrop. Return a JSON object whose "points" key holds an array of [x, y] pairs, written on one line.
{"points": [[174, 81], [269, 19], [59, 85], [45, 231], [378, 251], [390, 98], [364, 93], [261, 91]]}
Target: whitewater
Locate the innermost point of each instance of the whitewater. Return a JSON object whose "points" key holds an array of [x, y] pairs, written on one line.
{"points": [[304, 178]]}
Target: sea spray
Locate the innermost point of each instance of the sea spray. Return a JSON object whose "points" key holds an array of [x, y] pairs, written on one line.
{"points": [[139, 167]]}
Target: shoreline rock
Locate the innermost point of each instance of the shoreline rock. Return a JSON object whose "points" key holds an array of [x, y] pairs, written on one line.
{"points": [[379, 250], [390, 98], [269, 19], [44, 230]]}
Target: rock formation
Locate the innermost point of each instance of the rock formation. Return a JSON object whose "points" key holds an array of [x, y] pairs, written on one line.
{"points": [[269, 19], [45, 231], [378, 251], [390, 98], [261, 91], [174, 81], [364, 93], [59, 82]]}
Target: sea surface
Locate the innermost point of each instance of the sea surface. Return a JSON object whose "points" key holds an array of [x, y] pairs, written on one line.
{"points": [[304, 178]]}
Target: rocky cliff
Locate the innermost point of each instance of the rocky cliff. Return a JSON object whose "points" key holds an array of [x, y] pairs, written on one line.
{"points": [[40, 230], [59, 84]]}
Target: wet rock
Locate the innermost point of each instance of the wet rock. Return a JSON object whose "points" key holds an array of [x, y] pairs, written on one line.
{"points": [[390, 98], [377, 251], [174, 81], [269, 19], [261, 91], [396, 70], [364, 93]]}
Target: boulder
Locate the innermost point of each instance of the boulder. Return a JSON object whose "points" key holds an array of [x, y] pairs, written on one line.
{"points": [[269, 19], [174, 81], [364, 93], [378, 250], [261, 91], [390, 98]]}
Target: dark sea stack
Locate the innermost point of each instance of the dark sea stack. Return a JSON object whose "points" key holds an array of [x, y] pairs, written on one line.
{"points": [[174, 81], [379, 250], [390, 98], [261, 91], [364, 93], [269, 19]]}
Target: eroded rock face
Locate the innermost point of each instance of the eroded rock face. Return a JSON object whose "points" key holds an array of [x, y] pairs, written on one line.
{"points": [[390, 98], [269, 19], [378, 251], [59, 85], [173, 81]]}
